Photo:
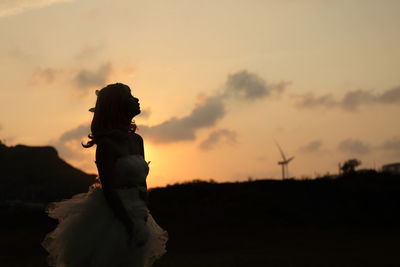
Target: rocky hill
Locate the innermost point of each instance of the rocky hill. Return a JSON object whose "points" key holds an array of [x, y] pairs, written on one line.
{"points": [[38, 174]]}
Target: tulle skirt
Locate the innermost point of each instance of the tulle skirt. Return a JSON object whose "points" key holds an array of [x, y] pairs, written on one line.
{"points": [[89, 235]]}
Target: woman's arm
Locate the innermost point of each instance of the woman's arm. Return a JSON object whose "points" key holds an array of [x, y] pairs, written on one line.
{"points": [[139, 143], [105, 161]]}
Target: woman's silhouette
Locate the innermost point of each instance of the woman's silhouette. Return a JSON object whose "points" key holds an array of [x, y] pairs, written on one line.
{"points": [[110, 225]]}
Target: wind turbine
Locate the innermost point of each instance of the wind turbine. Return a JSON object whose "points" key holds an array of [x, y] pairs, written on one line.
{"points": [[284, 162]]}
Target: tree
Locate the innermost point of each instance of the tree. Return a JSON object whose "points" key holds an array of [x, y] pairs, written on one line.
{"points": [[350, 165]]}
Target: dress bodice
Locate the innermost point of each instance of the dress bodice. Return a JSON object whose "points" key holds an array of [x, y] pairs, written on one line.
{"points": [[131, 170]]}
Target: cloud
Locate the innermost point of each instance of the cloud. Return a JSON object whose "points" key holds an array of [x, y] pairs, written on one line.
{"points": [[145, 113], [81, 79], [69, 143], [86, 78], [76, 133], [392, 145], [354, 99], [391, 96], [353, 146], [351, 101], [44, 75], [240, 85], [183, 129], [18, 53], [14, 7], [311, 147], [250, 86], [89, 52], [310, 101], [217, 136], [205, 114]]}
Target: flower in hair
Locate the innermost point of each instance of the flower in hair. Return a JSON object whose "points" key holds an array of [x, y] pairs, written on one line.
{"points": [[97, 94]]}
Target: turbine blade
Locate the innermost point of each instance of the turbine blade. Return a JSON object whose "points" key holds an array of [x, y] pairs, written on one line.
{"points": [[290, 159], [280, 150]]}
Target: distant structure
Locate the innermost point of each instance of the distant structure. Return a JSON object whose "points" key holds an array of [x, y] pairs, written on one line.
{"points": [[284, 162], [393, 168]]}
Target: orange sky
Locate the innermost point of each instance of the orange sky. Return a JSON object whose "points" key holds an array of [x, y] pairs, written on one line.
{"points": [[219, 81]]}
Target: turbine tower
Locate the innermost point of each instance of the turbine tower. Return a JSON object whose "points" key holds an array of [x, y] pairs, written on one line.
{"points": [[284, 162]]}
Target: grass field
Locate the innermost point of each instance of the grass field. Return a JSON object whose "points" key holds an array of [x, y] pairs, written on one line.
{"points": [[351, 221], [264, 246]]}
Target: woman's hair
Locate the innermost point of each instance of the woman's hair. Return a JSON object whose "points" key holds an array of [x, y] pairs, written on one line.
{"points": [[110, 117]]}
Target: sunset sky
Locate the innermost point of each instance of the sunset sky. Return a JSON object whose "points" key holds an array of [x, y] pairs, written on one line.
{"points": [[218, 81]]}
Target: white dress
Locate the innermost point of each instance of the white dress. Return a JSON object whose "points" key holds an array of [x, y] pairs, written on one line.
{"points": [[88, 233]]}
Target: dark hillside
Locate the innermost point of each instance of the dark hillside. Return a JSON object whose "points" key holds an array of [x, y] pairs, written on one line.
{"points": [[37, 174], [360, 199], [349, 220]]}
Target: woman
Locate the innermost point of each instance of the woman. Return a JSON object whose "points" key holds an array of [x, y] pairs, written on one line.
{"points": [[110, 225]]}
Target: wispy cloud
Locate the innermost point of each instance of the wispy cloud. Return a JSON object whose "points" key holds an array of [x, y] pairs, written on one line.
{"points": [[351, 101], [89, 52], [184, 128], [311, 147], [85, 78], [81, 79], [242, 85], [44, 76], [205, 114], [354, 146], [145, 113], [309, 100], [250, 86], [216, 137], [392, 145], [17, 53], [68, 144], [14, 7]]}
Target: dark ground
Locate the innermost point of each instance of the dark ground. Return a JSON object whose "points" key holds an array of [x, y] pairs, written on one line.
{"points": [[347, 221]]}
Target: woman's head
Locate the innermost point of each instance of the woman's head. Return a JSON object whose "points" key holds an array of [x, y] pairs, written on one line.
{"points": [[115, 108]]}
